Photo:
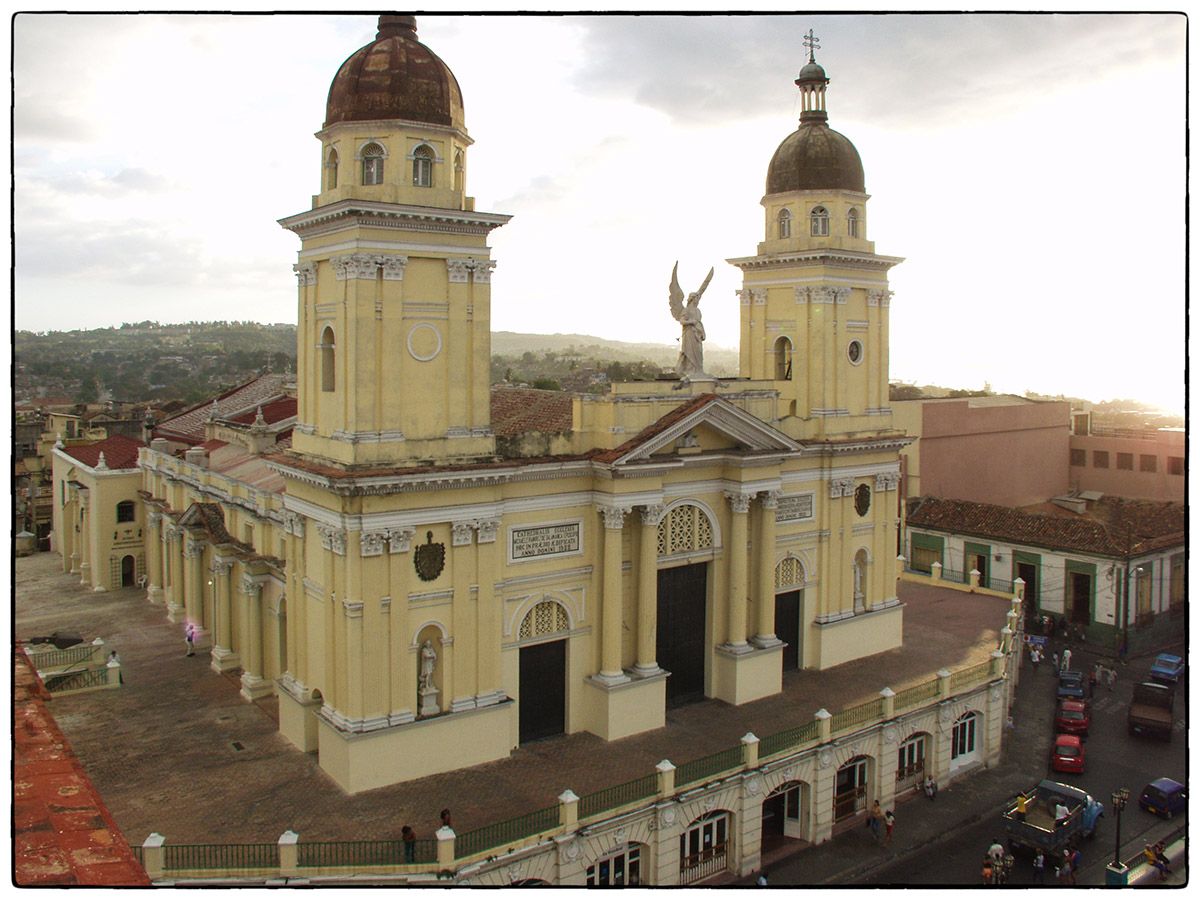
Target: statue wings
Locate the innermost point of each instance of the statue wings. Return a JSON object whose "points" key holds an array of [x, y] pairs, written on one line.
{"points": [[676, 293], [677, 299]]}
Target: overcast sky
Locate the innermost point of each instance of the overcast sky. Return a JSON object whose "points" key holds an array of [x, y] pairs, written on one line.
{"points": [[1029, 168]]}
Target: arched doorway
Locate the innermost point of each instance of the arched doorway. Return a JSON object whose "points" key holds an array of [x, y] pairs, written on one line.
{"points": [[542, 689], [128, 571], [785, 815], [704, 846], [851, 788], [620, 867]]}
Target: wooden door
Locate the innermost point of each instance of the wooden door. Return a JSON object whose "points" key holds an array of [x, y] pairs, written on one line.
{"points": [[682, 595], [543, 686]]}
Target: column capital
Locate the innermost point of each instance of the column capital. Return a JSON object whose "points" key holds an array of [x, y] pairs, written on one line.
{"points": [[461, 533], [879, 298], [770, 499], [222, 566], [355, 266], [400, 539], [652, 513], [840, 487], [293, 523], [458, 270], [886, 481], [485, 531], [371, 543], [739, 501], [333, 539], [250, 585], [483, 270], [393, 266], [614, 516], [306, 273]]}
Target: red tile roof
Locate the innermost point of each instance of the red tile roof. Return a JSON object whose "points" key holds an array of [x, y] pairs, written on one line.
{"points": [[63, 834], [519, 410], [1112, 526], [275, 411], [188, 426], [120, 452]]}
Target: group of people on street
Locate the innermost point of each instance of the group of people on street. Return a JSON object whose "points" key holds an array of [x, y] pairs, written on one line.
{"points": [[1156, 856], [881, 823]]}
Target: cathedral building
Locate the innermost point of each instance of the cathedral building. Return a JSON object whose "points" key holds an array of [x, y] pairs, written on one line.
{"points": [[429, 571]]}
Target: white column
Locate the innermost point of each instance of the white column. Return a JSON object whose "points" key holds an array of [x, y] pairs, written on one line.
{"points": [[611, 600], [739, 506], [647, 598], [766, 571]]}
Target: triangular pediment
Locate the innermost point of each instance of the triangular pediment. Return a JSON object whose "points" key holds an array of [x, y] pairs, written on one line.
{"points": [[716, 426]]}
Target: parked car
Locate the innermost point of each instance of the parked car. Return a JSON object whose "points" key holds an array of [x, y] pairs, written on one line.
{"points": [[1167, 668], [1070, 685], [1073, 717], [1067, 755], [1163, 797]]}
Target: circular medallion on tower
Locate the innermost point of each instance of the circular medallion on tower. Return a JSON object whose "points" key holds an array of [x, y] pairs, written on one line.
{"points": [[395, 77], [814, 156]]}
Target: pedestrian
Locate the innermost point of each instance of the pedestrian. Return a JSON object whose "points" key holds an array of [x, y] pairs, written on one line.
{"points": [[1066, 659], [189, 637], [1160, 852], [410, 843], [889, 824], [1034, 657], [1153, 860], [876, 820], [1022, 806], [1112, 677], [1122, 649], [930, 788], [114, 662], [988, 872], [446, 818], [1093, 678], [1068, 866], [1076, 862], [1055, 658], [1061, 814], [761, 881], [1039, 867]]}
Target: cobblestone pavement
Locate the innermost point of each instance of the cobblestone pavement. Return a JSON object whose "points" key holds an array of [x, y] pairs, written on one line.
{"points": [[178, 751]]}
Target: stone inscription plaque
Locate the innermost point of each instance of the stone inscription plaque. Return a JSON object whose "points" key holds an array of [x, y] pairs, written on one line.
{"points": [[793, 508], [546, 540]]}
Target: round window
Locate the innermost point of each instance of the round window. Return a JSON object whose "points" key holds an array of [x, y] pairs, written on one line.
{"points": [[862, 499], [855, 352]]}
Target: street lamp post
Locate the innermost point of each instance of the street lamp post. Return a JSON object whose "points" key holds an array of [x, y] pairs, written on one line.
{"points": [[1117, 874]]}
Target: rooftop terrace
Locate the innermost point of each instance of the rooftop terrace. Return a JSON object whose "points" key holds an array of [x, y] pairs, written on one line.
{"points": [[199, 764]]}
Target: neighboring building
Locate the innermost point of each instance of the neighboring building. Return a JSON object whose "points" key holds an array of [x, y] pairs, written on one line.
{"points": [[99, 520], [1127, 462], [1105, 564], [1004, 449]]}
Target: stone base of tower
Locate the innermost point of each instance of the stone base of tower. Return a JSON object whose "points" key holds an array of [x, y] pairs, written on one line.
{"points": [[297, 715], [362, 761], [391, 448], [743, 675], [620, 710], [865, 634]]}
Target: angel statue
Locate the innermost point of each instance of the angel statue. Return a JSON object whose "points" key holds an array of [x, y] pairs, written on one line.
{"points": [[691, 345]]}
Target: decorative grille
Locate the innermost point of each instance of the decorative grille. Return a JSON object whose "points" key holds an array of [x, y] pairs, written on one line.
{"points": [[547, 617], [789, 573], [685, 528]]}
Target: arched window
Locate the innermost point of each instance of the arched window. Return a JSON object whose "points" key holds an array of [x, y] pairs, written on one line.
{"points": [[458, 170], [326, 347], [963, 747], [819, 222], [422, 167], [331, 164], [546, 618], [910, 761], [783, 359], [852, 223], [785, 223], [126, 511], [789, 574], [702, 847], [684, 528], [372, 164]]}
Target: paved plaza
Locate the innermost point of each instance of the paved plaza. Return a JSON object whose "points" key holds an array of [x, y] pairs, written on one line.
{"points": [[177, 750]]}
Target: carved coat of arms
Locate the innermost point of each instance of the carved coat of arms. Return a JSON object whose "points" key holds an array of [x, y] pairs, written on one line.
{"points": [[429, 558]]}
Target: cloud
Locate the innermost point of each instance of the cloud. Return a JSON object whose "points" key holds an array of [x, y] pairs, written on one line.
{"points": [[126, 181], [896, 70]]}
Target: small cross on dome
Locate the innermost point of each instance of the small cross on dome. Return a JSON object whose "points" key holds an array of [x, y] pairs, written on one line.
{"points": [[811, 43]]}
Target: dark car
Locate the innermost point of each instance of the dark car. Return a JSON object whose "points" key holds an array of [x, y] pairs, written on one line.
{"points": [[1070, 685], [1167, 668], [1163, 797], [1073, 717]]}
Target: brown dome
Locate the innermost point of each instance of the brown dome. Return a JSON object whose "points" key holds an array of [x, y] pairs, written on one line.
{"points": [[815, 157], [395, 77]]}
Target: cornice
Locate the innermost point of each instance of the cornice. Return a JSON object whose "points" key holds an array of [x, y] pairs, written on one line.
{"points": [[346, 213], [852, 258]]}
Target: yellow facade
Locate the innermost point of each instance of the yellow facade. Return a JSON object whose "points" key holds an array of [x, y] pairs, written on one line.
{"points": [[419, 603]]}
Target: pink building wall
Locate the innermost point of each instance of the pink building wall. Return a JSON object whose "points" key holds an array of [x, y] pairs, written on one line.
{"points": [[1012, 454], [1166, 447]]}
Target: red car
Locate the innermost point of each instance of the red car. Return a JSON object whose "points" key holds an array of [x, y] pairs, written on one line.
{"points": [[1073, 717], [1067, 754]]}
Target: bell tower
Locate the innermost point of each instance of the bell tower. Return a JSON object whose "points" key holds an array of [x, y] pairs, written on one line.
{"points": [[394, 270], [815, 298]]}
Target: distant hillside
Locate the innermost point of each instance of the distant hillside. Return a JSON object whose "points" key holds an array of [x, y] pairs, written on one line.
{"points": [[717, 360]]}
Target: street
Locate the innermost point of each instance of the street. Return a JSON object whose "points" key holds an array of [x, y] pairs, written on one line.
{"points": [[1115, 759]]}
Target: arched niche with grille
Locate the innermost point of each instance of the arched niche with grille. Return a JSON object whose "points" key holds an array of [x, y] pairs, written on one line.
{"points": [[686, 528], [789, 574], [545, 619]]}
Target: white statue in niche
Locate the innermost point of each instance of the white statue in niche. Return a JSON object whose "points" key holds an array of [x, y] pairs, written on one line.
{"points": [[428, 661], [691, 343]]}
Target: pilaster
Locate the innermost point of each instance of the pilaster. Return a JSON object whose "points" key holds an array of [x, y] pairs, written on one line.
{"points": [[611, 600], [647, 599]]}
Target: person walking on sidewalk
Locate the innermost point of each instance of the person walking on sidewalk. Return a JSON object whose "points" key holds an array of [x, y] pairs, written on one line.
{"points": [[1066, 659], [876, 820], [1039, 867], [889, 824], [189, 638]]}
